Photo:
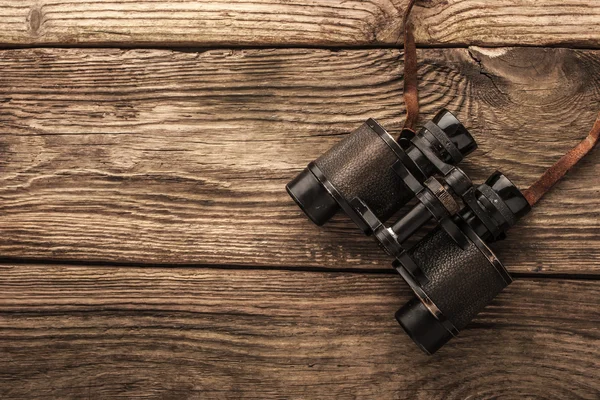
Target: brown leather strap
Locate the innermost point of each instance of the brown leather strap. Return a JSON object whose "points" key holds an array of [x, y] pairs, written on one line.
{"points": [[562, 166], [411, 98]]}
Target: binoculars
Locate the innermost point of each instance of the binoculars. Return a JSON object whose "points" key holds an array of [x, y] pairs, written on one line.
{"points": [[371, 176]]}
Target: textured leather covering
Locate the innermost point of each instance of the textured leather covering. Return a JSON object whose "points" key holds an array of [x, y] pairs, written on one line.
{"points": [[360, 166], [461, 282]]}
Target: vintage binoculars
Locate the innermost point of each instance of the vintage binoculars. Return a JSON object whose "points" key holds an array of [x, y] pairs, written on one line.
{"points": [[371, 176]]}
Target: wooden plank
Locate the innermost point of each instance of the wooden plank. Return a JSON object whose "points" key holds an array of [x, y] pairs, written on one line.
{"points": [[152, 156], [285, 23], [94, 332]]}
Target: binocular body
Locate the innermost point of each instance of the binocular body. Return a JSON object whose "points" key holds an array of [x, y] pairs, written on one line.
{"points": [[452, 271]]}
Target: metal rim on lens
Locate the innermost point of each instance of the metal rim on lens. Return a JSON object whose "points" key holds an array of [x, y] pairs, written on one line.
{"points": [[427, 302]]}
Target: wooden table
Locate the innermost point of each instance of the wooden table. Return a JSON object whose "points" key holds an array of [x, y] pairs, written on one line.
{"points": [[149, 248]]}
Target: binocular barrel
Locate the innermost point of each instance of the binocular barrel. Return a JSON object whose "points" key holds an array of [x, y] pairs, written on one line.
{"points": [[362, 166], [462, 274], [461, 282]]}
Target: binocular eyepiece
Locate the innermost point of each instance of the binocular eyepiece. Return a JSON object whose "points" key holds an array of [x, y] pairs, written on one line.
{"points": [[363, 164]]}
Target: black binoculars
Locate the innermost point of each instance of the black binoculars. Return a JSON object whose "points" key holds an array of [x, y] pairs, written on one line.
{"points": [[371, 176]]}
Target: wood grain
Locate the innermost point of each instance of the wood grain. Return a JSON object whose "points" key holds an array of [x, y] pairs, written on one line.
{"points": [[284, 23], [99, 332], [153, 156]]}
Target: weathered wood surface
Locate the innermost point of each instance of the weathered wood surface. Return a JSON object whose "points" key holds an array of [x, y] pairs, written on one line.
{"points": [[180, 158], [152, 156], [73, 332], [284, 23]]}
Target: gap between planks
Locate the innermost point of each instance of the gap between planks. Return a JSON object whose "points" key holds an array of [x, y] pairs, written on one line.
{"points": [[205, 48], [233, 267]]}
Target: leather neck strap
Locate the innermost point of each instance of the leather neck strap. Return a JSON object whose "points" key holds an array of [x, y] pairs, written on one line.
{"points": [[562, 166], [411, 97]]}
